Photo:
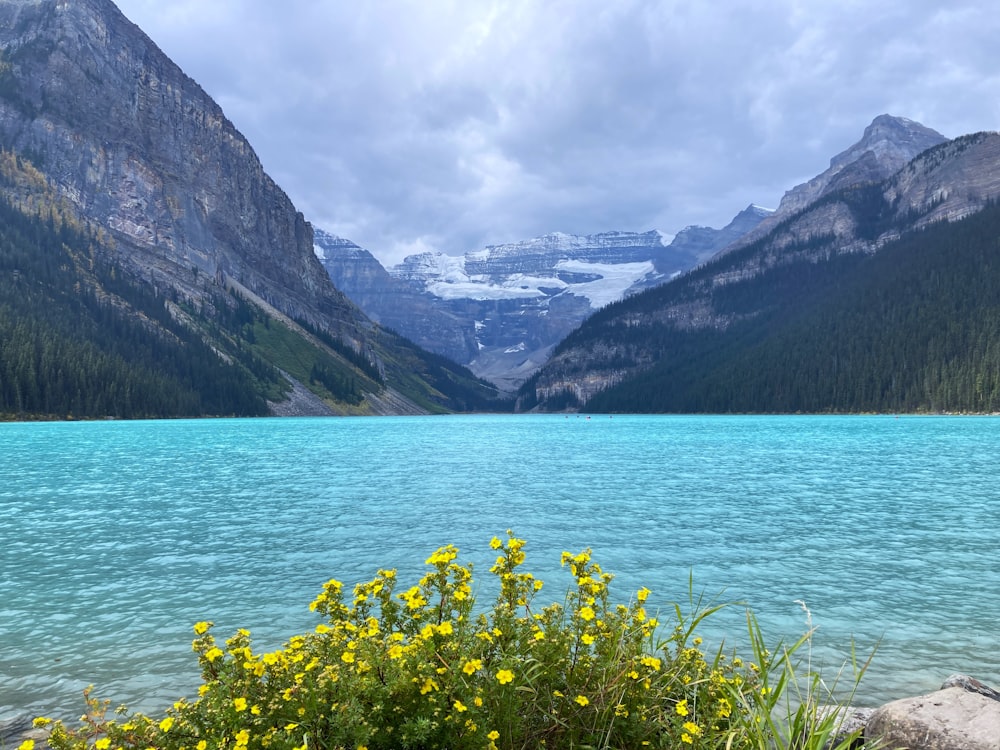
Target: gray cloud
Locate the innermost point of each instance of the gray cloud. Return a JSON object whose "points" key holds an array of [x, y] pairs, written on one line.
{"points": [[451, 125]]}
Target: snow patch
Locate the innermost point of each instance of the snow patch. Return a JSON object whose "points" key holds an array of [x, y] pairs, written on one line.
{"points": [[445, 277], [617, 278]]}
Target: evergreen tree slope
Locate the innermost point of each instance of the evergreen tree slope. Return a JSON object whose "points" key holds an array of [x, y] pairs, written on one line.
{"points": [[912, 328], [80, 337], [79, 340]]}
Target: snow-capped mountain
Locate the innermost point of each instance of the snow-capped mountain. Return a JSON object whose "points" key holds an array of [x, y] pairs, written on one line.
{"points": [[500, 310], [600, 268]]}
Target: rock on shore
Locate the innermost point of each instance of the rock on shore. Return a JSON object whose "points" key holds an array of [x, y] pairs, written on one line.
{"points": [[963, 715]]}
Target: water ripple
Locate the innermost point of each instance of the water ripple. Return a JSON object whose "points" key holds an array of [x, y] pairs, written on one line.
{"points": [[116, 537]]}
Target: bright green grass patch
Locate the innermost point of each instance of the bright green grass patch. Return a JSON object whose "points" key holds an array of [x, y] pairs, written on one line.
{"points": [[419, 668], [326, 375]]}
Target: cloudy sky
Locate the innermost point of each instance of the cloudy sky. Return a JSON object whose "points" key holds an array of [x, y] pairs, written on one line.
{"points": [[413, 125]]}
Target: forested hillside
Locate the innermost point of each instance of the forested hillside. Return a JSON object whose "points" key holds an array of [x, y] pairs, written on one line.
{"points": [[79, 338], [914, 327]]}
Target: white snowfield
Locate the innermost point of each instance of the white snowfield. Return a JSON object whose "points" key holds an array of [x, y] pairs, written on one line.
{"points": [[445, 277]]}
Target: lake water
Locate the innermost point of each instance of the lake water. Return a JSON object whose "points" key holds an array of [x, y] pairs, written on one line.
{"points": [[118, 536]]}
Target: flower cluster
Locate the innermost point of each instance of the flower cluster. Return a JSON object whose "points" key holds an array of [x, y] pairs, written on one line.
{"points": [[424, 668]]}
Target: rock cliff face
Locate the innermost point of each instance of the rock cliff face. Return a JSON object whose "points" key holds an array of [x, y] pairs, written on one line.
{"points": [[142, 150], [500, 310], [393, 303], [950, 181]]}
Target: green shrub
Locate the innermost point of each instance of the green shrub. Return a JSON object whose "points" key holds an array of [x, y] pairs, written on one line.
{"points": [[423, 668]]}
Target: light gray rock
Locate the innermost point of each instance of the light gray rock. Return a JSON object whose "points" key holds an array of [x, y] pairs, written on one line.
{"points": [[949, 719], [850, 724]]}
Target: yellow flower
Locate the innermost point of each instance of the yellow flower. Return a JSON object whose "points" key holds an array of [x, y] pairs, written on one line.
{"points": [[27, 745], [587, 639], [213, 653], [460, 707], [693, 728], [642, 594], [242, 738], [200, 628], [202, 745], [166, 724], [652, 662], [240, 704], [583, 700], [395, 651], [587, 613], [472, 666], [682, 707], [428, 686], [443, 555], [102, 744], [725, 709], [445, 628], [504, 676], [493, 736], [347, 657], [687, 738]]}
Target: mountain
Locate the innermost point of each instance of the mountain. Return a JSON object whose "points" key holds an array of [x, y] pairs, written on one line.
{"points": [[878, 295], [500, 310], [113, 140], [886, 146]]}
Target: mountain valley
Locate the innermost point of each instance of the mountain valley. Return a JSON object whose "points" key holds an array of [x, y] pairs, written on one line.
{"points": [[500, 310]]}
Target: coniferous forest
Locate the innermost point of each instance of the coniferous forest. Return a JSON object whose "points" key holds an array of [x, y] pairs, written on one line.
{"points": [[77, 340], [912, 328]]}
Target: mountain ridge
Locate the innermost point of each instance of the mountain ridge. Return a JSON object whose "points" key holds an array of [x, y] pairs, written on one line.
{"points": [[885, 147], [947, 181]]}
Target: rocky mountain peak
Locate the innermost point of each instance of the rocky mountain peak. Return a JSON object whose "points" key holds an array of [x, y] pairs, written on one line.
{"points": [[888, 144], [893, 141]]}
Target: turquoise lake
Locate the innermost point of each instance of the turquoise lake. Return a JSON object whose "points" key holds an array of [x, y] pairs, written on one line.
{"points": [[118, 536]]}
